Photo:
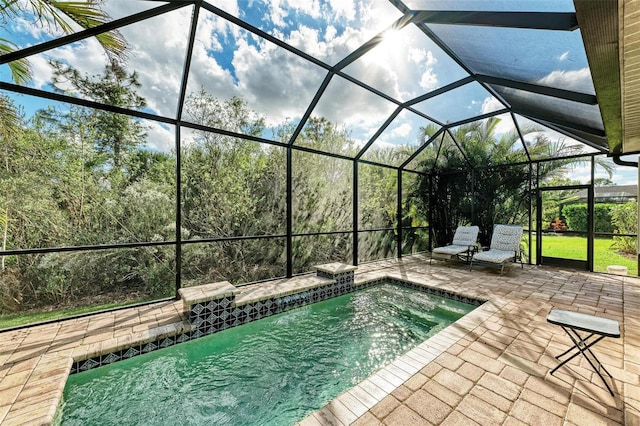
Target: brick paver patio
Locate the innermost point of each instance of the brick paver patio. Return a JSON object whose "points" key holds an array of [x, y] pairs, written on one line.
{"points": [[490, 368]]}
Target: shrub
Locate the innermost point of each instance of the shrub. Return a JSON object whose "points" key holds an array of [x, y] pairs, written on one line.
{"points": [[576, 217], [625, 220]]}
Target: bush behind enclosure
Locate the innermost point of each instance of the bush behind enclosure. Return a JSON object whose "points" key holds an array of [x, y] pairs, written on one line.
{"points": [[65, 185], [576, 216]]}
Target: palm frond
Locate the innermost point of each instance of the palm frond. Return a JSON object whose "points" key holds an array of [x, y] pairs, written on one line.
{"points": [[65, 16], [9, 118], [87, 15], [20, 69]]}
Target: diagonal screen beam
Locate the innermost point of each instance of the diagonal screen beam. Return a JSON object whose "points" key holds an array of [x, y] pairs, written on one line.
{"points": [[563, 21], [569, 95]]}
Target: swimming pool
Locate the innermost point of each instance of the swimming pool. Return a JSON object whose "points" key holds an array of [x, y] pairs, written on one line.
{"points": [[269, 372]]}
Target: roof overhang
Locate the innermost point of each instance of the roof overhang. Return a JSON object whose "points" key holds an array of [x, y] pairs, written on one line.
{"points": [[611, 33]]}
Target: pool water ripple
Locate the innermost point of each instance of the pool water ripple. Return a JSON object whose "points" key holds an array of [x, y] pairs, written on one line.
{"points": [[270, 372]]}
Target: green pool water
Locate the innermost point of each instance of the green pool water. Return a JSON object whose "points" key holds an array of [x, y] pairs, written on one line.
{"points": [[273, 371]]}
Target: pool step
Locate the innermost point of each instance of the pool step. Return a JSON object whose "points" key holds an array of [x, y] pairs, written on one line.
{"points": [[218, 306], [206, 293], [279, 288]]}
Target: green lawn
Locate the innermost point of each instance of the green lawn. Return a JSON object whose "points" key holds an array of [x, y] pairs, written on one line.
{"points": [[22, 318], [576, 248]]}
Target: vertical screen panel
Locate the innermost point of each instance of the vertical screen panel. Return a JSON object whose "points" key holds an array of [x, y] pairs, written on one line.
{"points": [[238, 262], [78, 176], [231, 186], [377, 197], [322, 193], [311, 250], [45, 286]]}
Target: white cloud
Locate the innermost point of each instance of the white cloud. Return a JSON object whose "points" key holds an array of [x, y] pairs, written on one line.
{"points": [[227, 62], [86, 56], [417, 55], [343, 9], [505, 125], [308, 40], [422, 56], [578, 80], [402, 130], [330, 33], [491, 104], [310, 7], [563, 57], [160, 138], [273, 81], [375, 16], [363, 113], [38, 32], [429, 80], [431, 60], [278, 13]]}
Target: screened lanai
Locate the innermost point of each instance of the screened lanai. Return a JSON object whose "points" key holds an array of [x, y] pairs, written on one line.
{"points": [[158, 145], [171, 171]]}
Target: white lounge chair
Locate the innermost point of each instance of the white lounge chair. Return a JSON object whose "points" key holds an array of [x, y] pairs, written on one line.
{"points": [[463, 244], [505, 247]]}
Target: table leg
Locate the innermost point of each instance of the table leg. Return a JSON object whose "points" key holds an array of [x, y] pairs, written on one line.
{"points": [[583, 347]]}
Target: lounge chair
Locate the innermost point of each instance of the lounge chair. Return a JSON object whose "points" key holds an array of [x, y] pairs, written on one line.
{"points": [[463, 244], [505, 247]]}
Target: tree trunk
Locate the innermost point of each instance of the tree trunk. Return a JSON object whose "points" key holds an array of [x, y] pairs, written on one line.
{"points": [[5, 226]]}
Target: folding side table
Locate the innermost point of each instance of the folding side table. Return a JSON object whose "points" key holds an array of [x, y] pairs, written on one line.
{"points": [[597, 328]]}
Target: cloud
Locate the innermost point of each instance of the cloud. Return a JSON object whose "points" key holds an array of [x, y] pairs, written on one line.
{"points": [[563, 57], [86, 56], [330, 33], [577, 80], [343, 9], [160, 137], [506, 124], [431, 60], [491, 104], [362, 114], [402, 130], [228, 61], [275, 82], [38, 32], [417, 55], [429, 80], [278, 13]]}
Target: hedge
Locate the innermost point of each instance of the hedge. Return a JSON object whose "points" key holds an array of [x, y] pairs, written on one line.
{"points": [[576, 217]]}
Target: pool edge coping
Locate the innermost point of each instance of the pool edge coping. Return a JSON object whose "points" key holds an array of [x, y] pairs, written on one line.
{"points": [[341, 408]]}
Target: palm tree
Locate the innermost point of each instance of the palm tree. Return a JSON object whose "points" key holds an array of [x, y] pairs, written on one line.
{"points": [[60, 16], [481, 186]]}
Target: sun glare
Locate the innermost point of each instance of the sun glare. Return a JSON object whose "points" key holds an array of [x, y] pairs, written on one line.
{"points": [[384, 52]]}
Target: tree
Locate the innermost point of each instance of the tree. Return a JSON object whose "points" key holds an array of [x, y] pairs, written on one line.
{"points": [[490, 182], [114, 135], [231, 187]]}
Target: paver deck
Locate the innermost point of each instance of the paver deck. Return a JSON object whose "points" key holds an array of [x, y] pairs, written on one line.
{"points": [[491, 367]]}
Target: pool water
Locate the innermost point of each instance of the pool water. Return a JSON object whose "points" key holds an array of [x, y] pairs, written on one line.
{"points": [[274, 371]]}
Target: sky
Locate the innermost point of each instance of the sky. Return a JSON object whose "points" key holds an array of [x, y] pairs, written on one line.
{"points": [[230, 61]]}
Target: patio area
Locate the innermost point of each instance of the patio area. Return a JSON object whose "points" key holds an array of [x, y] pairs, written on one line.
{"points": [[491, 367]]}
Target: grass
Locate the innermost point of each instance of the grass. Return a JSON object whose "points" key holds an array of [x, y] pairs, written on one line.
{"points": [[31, 317], [576, 248]]}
